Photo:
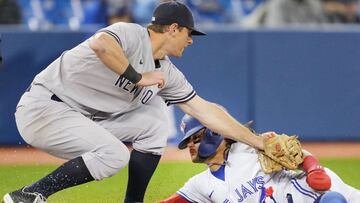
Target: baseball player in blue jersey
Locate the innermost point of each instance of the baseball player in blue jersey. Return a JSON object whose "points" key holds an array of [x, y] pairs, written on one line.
{"points": [[114, 88], [235, 174]]}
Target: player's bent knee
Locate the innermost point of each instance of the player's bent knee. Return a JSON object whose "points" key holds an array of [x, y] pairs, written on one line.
{"points": [[116, 159], [332, 197], [107, 161]]}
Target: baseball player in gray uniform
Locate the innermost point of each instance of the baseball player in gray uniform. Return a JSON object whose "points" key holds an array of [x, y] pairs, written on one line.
{"points": [[234, 174], [110, 89]]}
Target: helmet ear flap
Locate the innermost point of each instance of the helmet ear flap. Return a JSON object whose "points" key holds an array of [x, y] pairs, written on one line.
{"points": [[209, 144]]}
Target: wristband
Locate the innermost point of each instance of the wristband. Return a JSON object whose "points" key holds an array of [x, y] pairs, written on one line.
{"points": [[311, 163], [131, 74]]}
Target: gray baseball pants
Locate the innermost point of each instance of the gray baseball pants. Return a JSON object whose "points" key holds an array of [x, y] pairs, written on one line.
{"points": [[60, 130]]}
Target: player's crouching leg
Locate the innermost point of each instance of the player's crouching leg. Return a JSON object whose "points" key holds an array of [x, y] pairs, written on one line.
{"points": [[107, 160]]}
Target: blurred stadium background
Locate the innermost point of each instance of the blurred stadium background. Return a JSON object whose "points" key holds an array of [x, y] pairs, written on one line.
{"points": [[292, 66], [296, 75]]}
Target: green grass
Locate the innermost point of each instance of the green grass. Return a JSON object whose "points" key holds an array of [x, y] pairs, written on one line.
{"points": [[347, 169], [167, 179]]}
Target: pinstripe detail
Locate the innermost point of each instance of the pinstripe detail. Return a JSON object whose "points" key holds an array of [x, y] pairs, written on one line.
{"points": [[112, 34], [303, 190], [181, 100], [185, 196]]}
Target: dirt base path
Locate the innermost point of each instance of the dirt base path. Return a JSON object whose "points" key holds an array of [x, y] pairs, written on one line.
{"points": [[31, 156]]}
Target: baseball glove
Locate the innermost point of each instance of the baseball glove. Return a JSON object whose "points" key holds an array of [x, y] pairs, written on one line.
{"points": [[280, 151], [268, 165], [284, 150]]}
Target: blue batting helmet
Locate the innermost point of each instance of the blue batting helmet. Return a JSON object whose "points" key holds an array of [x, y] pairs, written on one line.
{"points": [[189, 126], [332, 197], [209, 143]]}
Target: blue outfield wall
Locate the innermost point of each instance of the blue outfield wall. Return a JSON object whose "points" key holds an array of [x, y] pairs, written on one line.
{"points": [[24, 55], [304, 82], [307, 83]]}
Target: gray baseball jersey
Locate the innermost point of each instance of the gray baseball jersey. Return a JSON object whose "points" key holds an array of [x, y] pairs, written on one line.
{"points": [[81, 80], [118, 110]]}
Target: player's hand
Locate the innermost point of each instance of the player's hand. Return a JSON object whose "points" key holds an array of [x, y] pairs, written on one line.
{"points": [[262, 138], [152, 78], [268, 134]]}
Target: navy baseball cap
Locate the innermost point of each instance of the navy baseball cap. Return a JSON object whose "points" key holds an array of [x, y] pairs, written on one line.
{"points": [[175, 12]]}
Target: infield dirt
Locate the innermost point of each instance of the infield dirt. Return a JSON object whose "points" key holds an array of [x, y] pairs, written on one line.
{"points": [[31, 156]]}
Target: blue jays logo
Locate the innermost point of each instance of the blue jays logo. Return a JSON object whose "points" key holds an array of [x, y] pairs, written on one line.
{"points": [[182, 126], [267, 193]]}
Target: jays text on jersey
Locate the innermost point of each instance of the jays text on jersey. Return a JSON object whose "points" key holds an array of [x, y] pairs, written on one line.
{"points": [[242, 180]]}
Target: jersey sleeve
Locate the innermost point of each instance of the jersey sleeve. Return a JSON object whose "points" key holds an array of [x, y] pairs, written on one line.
{"points": [[128, 35], [193, 189], [177, 89]]}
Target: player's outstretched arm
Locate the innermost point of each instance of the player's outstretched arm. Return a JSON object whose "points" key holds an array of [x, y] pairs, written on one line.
{"points": [[174, 199], [112, 55], [219, 121]]}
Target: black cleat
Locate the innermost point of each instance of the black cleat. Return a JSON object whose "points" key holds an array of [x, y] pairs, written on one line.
{"points": [[19, 196]]}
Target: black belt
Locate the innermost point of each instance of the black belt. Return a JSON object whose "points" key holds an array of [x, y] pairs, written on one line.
{"points": [[53, 97]]}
